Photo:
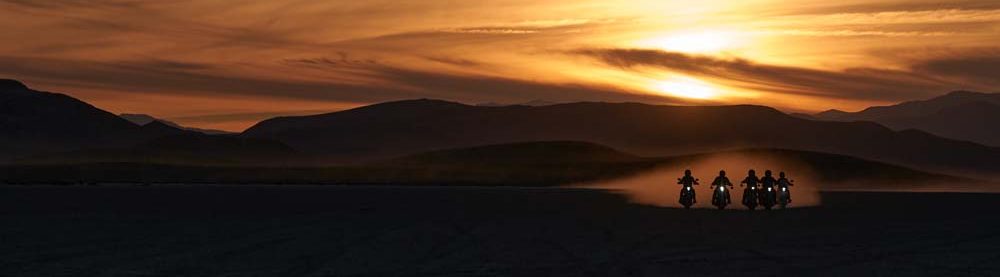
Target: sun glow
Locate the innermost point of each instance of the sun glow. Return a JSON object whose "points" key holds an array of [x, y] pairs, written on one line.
{"points": [[700, 42], [686, 87]]}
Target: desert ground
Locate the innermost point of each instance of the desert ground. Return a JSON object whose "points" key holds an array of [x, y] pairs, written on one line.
{"points": [[301, 230]]}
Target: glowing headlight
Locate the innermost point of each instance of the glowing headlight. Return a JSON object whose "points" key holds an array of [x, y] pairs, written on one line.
{"points": [[768, 189], [784, 189], [688, 188]]}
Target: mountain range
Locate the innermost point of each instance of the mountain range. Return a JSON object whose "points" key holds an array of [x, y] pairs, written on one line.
{"points": [[143, 119], [38, 126], [393, 129], [35, 122], [963, 115], [50, 128]]}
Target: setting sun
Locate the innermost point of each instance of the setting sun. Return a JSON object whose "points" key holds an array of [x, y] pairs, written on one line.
{"points": [[686, 87]]}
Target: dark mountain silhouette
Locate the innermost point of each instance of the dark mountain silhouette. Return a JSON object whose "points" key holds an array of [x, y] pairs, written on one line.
{"points": [[833, 114], [44, 126], [143, 119], [803, 116], [406, 127], [533, 103], [33, 122], [963, 115]]}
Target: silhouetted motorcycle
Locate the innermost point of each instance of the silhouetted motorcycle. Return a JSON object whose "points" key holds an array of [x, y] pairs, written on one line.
{"points": [[784, 196], [750, 197], [687, 195], [687, 198], [720, 197], [767, 198]]}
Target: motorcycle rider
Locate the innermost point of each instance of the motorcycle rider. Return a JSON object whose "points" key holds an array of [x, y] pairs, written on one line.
{"points": [[784, 183], [751, 182], [688, 181], [768, 182], [722, 180]]}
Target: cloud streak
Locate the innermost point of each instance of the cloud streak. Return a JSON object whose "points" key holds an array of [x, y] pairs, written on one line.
{"points": [[171, 77], [361, 52], [854, 83]]}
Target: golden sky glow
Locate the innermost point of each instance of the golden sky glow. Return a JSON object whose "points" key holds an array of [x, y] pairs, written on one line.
{"points": [[227, 64]]}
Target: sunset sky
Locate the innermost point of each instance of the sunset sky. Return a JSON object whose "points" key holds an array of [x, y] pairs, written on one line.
{"points": [[228, 64]]}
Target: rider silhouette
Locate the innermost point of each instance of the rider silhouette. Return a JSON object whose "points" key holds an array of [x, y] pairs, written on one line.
{"points": [[751, 181], [784, 183], [768, 181], [722, 180], [689, 181]]}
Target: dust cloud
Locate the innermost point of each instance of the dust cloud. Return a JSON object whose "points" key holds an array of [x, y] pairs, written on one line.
{"points": [[658, 187]]}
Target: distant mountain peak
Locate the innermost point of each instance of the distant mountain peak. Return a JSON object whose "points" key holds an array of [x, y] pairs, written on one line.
{"points": [[833, 111], [532, 103], [423, 103], [962, 114], [145, 120], [138, 119], [966, 93], [9, 84], [156, 124]]}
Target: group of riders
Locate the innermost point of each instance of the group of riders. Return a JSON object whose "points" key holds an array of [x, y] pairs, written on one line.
{"points": [[766, 191]]}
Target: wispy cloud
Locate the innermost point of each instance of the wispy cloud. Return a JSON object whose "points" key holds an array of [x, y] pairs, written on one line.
{"points": [[395, 83], [854, 83], [495, 51]]}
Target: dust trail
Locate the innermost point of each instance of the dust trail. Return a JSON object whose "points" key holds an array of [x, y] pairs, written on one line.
{"points": [[659, 186]]}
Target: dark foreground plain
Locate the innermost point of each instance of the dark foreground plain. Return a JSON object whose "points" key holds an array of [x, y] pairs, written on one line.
{"points": [[174, 230]]}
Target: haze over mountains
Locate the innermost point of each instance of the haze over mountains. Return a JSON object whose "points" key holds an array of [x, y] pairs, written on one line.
{"points": [[964, 115], [34, 122], [40, 126], [55, 128], [143, 119], [406, 127]]}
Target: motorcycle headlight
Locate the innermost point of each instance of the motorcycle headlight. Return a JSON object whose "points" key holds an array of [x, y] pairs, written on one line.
{"points": [[784, 189], [688, 188], [768, 189]]}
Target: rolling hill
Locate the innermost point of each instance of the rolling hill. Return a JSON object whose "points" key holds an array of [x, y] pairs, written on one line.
{"points": [[963, 115], [401, 128], [33, 122], [143, 119], [44, 127]]}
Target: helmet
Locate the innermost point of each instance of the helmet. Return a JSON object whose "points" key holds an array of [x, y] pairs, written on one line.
{"points": [[782, 174], [687, 172], [767, 172], [752, 173], [722, 173]]}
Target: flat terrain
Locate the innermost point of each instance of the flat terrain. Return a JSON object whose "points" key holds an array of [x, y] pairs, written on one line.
{"points": [[172, 230]]}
